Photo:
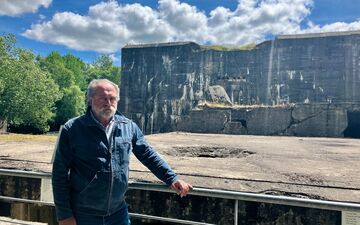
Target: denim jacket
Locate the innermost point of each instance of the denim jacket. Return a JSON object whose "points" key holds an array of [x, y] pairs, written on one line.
{"points": [[90, 174]]}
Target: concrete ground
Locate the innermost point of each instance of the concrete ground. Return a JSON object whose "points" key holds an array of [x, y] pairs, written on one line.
{"points": [[316, 168]]}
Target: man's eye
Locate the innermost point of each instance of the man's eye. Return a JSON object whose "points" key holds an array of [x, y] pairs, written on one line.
{"points": [[112, 99]]}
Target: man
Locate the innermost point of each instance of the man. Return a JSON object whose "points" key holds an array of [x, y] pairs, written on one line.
{"points": [[91, 164]]}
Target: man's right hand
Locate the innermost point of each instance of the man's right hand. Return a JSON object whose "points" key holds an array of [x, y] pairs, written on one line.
{"points": [[68, 221], [181, 187]]}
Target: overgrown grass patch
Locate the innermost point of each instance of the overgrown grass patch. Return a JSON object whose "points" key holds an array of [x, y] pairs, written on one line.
{"points": [[28, 137]]}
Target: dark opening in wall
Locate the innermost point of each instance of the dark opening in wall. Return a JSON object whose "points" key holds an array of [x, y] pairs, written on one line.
{"points": [[5, 209], [353, 128]]}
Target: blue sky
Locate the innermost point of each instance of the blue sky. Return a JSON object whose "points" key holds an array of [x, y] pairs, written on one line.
{"points": [[90, 28]]}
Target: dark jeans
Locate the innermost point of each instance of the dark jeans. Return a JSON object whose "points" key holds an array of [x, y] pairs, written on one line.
{"points": [[121, 217]]}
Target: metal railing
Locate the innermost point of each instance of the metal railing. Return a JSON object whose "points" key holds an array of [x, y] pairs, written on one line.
{"points": [[215, 193]]}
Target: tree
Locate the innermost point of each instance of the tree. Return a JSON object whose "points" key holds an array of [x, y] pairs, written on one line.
{"points": [[103, 68], [27, 93], [55, 65], [77, 67], [51, 89], [72, 104], [68, 73]]}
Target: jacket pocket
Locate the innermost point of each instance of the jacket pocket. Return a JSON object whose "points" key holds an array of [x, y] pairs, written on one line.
{"points": [[93, 180], [95, 194], [123, 149]]}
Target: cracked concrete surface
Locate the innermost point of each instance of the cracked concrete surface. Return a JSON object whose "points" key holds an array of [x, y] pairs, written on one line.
{"points": [[316, 168]]}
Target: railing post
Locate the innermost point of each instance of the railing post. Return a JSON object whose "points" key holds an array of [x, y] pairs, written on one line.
{"points": [[236, 212]]}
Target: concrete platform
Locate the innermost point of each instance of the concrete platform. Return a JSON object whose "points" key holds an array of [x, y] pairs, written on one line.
{"points": [[316, 168], [9, 221]]}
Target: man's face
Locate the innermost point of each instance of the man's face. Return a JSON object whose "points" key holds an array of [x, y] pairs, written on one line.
{"points": [[104, 101]]}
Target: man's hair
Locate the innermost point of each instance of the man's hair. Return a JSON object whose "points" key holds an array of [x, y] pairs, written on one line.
{"points": [[93, 86]]}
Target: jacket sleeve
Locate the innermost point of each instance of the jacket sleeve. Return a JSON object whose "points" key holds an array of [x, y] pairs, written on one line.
{"points": [[60, 179], [149, 157]]}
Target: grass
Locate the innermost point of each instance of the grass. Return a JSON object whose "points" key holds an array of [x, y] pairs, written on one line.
{"points": [[202, 104], [27, 137], [230, 48], [213, 104]]}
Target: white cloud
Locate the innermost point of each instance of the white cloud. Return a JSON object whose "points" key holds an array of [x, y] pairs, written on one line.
{"points": [[185, 21], [42, 17], [18, 7], [253, 20], [338, 26], [114, 58], [108, 26]]}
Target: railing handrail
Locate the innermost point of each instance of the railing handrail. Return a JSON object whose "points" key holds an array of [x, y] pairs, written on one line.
{"points": [[216, 193], [25, 173], [255, 197]]}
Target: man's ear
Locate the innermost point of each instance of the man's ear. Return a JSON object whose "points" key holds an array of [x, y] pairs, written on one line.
{"points": [[89, 102]]}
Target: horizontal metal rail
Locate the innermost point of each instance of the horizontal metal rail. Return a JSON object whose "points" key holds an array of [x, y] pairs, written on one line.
{"points": [[254, 197], [235, 195], [142, 216], [23, 200], [24, 173]]}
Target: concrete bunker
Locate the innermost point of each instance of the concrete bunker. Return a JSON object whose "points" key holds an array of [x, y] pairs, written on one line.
{"points": [[163, 84]]}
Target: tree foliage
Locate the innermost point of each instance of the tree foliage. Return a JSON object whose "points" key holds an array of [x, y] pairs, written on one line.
{"points": [[71, 104], [28, 93], [42, 91], [55, 65], [68, 73], [103, 68], [77, 67]]}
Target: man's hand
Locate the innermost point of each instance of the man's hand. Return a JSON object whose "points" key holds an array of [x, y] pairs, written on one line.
{"points": [[68, 221], [181, 187]]}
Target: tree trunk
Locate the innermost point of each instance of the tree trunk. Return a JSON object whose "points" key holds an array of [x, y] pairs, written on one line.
{"points": [[3, 126]]}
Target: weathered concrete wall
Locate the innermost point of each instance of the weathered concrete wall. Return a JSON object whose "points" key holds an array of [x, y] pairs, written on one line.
{"points": [[324, 120], [28, 188], [162, 83], [158, 84], [25, 188]]}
